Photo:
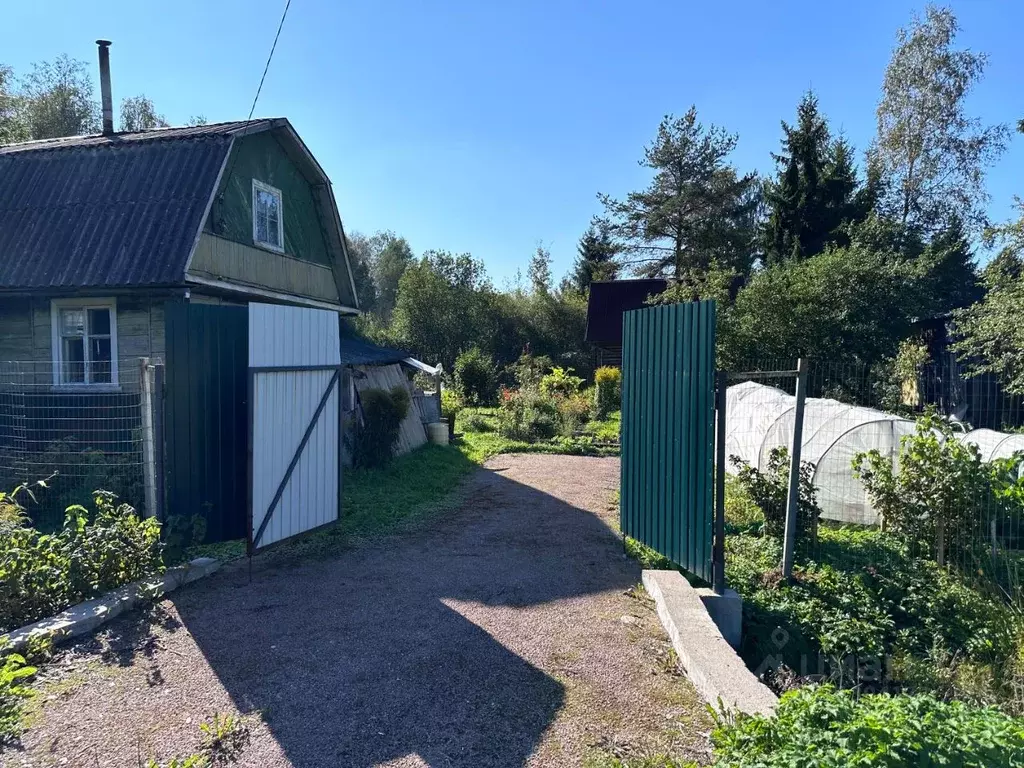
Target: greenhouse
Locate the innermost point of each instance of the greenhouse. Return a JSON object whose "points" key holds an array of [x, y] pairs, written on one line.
{"points": [[994, 445], [760, 418]]}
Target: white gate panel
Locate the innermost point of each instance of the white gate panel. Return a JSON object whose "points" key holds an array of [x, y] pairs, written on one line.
{"points": [[294, 364]]}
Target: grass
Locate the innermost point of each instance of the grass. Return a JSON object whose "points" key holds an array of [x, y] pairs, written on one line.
{"points": [[418, 486]]}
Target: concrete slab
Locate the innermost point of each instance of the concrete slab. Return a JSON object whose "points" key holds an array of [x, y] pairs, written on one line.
{"points": [[708, 659], [726, 611], [86, 617]]}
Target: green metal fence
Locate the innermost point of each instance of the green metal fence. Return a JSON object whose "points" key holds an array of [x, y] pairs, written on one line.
{"points": [[206, 416], [668, 420]]}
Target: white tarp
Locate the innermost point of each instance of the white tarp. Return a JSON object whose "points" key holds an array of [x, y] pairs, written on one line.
{"points": [[994, 445]]}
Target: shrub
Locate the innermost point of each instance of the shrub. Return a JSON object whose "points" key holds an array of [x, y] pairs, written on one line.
{"points": [[476, 377], [769, 490], [41, 574], [819, 726], [608, 383], [573, 411], [560, 383], [527, 414], [451, 404], [474, 421], [529, 369], [377, 435], [14, 673], [78, 471], [940, 493]]}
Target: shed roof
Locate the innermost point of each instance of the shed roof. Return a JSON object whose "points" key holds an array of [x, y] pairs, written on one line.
{"points": [[357, 351], [608, 300]]}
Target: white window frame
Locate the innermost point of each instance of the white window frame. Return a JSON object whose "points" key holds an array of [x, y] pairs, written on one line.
{"points": [[259, 185], [56, 305]]}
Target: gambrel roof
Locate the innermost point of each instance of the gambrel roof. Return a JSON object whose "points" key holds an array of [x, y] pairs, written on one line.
{"points": [[126, 209]]}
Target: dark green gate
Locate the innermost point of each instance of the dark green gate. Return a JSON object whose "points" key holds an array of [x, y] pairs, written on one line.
{"points": [[206, 416], [668, 420]]}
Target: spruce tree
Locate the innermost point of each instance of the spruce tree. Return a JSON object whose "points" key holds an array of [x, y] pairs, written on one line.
{"points": [[595, 257], [815, 191]]}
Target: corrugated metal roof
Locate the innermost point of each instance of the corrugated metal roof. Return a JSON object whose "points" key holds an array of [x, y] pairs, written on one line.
{"points": [[608, 300], [156, 134], [106, 211]]}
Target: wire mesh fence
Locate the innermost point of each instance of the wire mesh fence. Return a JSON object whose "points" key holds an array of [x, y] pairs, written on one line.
{"points": [[924, 453], [83, 438]]}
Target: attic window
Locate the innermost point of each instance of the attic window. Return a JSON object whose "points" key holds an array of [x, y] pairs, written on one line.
{"points": [[267, 216]]}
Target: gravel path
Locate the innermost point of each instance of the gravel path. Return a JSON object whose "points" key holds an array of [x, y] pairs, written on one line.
{"points": [[510, 633]]}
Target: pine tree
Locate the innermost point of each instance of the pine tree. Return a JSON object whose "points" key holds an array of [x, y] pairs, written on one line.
{"points": [[595, 258], [814, 193], [697, 211]]}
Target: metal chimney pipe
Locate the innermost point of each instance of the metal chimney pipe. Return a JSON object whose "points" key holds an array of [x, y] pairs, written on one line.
{"points": [[107, 99]]}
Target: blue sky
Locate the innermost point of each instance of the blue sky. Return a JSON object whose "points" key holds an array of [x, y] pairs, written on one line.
{"points": [[489, 127]]}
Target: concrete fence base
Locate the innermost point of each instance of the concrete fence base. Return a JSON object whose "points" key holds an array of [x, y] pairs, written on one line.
{"points": [[86, 617], [709, 660]]}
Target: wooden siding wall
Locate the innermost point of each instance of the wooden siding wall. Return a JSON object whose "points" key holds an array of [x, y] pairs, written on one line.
{"points": [[218, 258], [26, 335]]}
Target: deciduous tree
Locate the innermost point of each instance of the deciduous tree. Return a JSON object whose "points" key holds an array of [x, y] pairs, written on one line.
{"points": [[931, 154], [139, 114], [12, 124], [991, 334], [58, 99]]}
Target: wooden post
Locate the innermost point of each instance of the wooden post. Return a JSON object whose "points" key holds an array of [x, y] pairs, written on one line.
{"points": [[148, 453], [718, 550], [793, 500]]}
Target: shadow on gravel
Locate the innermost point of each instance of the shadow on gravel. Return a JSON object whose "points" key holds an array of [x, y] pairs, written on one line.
{"points": [[356, 661]]}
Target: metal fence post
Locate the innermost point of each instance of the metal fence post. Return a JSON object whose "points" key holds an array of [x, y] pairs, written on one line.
{"points": [[793, 500], [158, 439], [148, 453], [718, 556]]}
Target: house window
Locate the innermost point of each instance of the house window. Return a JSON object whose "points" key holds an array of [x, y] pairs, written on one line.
{"points": [[267, 216], [84, 342]]}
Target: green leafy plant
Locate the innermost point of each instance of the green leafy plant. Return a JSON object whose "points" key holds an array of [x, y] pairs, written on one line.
{"points": [[41, 574], [769, 490], [560, 383], [529, 369], [868, 613], [527, 414], [608, 390], [451, 405], [476, 377], [14, 673], [939, 492], [573, 411], [377, 434], [223, 740], [820, 726], [77, 471]]}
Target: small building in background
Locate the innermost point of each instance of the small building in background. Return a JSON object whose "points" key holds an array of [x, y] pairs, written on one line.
{"points": [[608, 300]]}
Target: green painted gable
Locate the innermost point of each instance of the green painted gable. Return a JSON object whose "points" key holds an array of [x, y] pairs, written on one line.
{"points": [[261, 157]]}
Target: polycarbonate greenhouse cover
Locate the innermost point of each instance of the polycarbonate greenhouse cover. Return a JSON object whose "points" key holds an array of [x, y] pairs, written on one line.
{"points": [[760, 418]]}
